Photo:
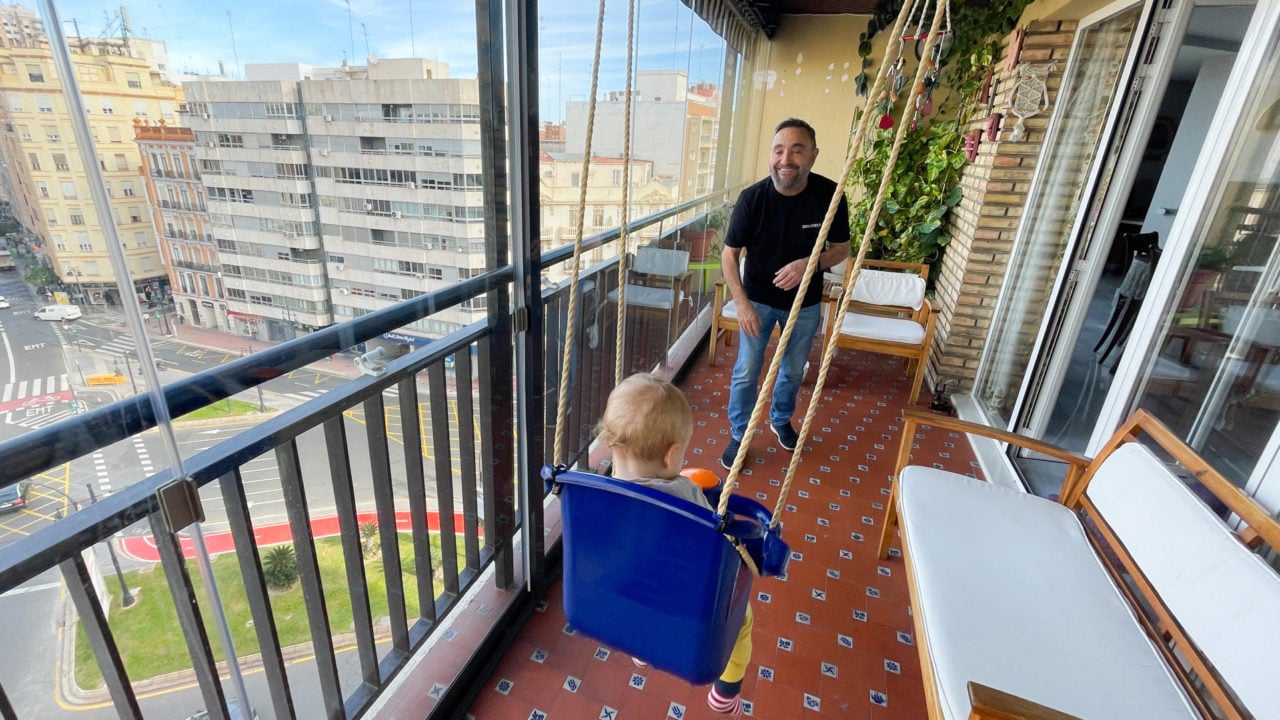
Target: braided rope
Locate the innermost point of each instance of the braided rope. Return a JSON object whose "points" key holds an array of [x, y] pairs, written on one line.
{"points": [[562, 403], [832, 342], [854, 148], [624, 263]]}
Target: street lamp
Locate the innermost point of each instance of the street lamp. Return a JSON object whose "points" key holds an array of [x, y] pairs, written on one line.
{"points": [[126, 598]]}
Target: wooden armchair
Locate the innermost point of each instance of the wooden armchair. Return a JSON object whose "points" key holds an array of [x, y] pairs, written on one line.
{"points": [[890, 315]]}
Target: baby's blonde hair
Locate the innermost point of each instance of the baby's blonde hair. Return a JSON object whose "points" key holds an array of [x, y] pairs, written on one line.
{"points": [[645, 416]]}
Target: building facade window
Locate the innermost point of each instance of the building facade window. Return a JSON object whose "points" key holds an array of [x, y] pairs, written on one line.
{"points": [[44, 103], [35, 73]]}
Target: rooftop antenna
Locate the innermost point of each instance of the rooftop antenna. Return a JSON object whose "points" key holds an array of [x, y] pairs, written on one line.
{"points": [[365, 30], [351, 30], [413, 48], [235, 54]]}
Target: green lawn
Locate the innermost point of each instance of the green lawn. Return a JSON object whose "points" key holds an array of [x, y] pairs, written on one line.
{"points": [[228, 407], [152, 644]]}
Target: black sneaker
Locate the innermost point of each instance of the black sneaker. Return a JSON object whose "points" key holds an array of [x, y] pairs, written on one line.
{"points": [[787, 436], [730, 454]]}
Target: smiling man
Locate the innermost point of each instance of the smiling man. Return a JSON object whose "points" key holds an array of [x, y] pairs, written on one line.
{"points": [[771, 233]]}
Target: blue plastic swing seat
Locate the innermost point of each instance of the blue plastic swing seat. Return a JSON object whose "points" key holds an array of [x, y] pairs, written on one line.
{"points": [[652, 575]]}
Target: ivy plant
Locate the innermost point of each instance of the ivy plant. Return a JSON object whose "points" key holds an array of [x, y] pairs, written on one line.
{"points": [[925, 184], [923, 189]]}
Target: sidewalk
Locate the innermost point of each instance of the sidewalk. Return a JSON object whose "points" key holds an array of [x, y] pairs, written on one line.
{"points": [[238, 345]]}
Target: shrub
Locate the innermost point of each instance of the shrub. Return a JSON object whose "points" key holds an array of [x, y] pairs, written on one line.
{"points": [[280, 567]]}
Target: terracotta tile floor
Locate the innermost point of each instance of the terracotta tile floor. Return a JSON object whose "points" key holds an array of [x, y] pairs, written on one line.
{"points": [[832, 640]]}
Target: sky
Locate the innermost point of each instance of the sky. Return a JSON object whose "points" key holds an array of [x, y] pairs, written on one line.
{"points": [[199, 35]]}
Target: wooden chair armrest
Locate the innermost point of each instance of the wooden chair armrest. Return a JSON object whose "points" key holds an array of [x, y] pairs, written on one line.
{"points": [[990, 704], [946, 422]]}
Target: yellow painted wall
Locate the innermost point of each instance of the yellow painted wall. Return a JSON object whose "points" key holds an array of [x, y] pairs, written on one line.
{"points": [[806, 71], [1062, 9]]}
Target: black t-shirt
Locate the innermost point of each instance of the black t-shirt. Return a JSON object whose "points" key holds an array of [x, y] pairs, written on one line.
{"points": [[776, 229]]}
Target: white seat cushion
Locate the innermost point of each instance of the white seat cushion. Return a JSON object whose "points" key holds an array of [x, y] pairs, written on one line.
{"points": [[879, 287], [729, 310], [1013, 597], [647, 297], [1224, 596], [874, 327]]}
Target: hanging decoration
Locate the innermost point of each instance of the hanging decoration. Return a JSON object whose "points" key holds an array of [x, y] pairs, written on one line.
{"points": [[933, 62], [1030, 95]]}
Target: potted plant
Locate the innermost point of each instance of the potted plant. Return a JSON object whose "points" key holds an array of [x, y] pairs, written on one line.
{"points": [[700, 234]]}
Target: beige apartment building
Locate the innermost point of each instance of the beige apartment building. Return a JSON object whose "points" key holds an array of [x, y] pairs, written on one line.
{"points": [[120, 80], [559, 191], [176, 199]]}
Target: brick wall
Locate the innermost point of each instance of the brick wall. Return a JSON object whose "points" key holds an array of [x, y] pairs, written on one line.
{"points": [[983, 226]]}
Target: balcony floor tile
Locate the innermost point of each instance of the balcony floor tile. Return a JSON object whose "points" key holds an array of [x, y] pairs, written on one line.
{"points": [[833, 639]]}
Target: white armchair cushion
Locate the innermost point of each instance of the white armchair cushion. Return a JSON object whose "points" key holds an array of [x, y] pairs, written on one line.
{"points": [[729, 310], [878, 287], [1015, 598], [650, 260], [873, 327]]}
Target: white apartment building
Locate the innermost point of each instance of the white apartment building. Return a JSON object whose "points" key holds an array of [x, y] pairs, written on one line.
{"points": [[335, 192], [673, 126]]}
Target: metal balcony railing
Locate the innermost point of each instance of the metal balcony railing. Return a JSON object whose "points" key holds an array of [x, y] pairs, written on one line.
{"points": [[462, 387]]}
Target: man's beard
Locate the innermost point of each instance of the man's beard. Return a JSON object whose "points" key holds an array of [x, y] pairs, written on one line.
{"points": [[796, 181]]}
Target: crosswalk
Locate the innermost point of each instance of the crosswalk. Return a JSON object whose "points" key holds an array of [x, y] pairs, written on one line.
{"points": [[305, 395], [36, 387], [118, 345]]}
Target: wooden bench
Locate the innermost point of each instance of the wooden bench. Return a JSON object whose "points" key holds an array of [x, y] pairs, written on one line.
{"points": [[1143, 593]]}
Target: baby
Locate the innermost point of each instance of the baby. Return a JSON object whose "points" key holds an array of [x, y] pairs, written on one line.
{"points": [[647, 424]]}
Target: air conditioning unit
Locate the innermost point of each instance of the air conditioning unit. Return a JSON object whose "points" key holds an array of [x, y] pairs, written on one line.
{"points": [[395, 215], [340, 268], [291, 234], [344, 291], [328, 118], [411, 185], [204, 116], [324, 152]]}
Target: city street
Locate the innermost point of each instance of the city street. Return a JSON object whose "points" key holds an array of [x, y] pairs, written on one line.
{"points": [[44, 367]]}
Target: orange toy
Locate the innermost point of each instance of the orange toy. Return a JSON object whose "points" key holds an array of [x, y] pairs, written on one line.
{"points": [[702, 477]]}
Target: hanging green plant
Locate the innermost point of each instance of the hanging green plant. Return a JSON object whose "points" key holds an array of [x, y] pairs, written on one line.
{"points": [[925, 184], [910, 226]]}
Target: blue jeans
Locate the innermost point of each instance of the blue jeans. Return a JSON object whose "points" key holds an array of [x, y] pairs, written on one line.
{"points": [[743, 389]]}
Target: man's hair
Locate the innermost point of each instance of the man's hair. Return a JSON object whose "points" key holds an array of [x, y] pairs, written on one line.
{"points": [[798, 123], [646, 416]]}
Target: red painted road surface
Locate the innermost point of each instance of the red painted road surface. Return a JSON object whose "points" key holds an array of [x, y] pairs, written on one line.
{"points": [[143, 547]]}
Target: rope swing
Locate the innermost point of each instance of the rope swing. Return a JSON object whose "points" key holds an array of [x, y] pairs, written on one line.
{"points": [[684, 618]]}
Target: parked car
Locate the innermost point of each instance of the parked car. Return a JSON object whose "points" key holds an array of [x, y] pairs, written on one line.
{"points": [[14, 497], [59, 312], [3, 302]]}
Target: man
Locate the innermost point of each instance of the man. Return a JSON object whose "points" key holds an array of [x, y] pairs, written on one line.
{"points": [[776, 222]]}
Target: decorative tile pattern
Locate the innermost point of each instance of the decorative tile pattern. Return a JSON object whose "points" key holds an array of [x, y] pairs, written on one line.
{"points": [[832, 640]]}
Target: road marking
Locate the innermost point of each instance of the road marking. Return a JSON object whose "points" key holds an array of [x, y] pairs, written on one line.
{"points": [[32, 589], [8, 351]]}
